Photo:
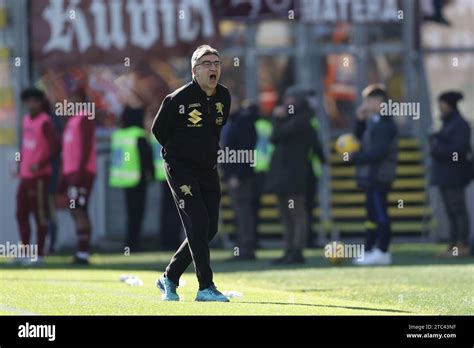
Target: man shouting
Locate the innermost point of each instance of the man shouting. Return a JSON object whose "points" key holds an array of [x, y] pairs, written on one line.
{"points": [[188, 127]]}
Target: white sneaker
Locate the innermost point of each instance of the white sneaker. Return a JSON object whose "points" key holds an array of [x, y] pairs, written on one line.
{"points": [[16, 261], [20, 261], [375, 258], [358, 261]]}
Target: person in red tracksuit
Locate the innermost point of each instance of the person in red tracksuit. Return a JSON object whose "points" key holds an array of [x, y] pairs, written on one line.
{"points": [[40, 145], [79, 168]]}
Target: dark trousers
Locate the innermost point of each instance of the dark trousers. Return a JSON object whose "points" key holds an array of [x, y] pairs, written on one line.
{"points": [[197, 196], [170, 222], [378, 222], [52, 223], [293, 216], [32, 197], [244, 216], [311, 203], [455, 205], [257, 192], [135, 199]]}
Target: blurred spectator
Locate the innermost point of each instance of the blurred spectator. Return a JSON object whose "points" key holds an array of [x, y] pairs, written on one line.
{"points": [[264, 150], [293, 137], [449, 149], [239, 134], [53, 184], [40, 145], [317, 159], [170, 224], [168, 220], [131, 169], [79, 168], [376, 166]]}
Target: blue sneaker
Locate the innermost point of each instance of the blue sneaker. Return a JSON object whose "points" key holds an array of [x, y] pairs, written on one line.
{"points": [[210, 294], [168, 289]]}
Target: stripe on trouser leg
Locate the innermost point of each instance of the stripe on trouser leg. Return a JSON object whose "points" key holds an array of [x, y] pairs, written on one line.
{"points": [[40, 205]]}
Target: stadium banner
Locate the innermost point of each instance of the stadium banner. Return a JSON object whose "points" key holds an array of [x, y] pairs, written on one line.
{"points": [[250, 10], [314, 11], [74, 32]]}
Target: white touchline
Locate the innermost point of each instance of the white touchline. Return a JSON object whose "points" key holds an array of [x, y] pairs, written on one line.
{"points": [[16, 310]]}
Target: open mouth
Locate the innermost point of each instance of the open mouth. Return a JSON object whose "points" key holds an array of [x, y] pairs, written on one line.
{"points": [[213, 77]]}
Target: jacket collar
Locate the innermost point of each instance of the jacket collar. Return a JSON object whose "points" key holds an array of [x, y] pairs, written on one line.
{"points": [[450, 117], [375, 118], [200, 90]]}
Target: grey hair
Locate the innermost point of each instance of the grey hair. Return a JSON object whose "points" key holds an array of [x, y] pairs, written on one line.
{"points": [[202, 51]]}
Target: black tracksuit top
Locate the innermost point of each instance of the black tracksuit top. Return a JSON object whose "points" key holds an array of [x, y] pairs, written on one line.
{"points": [[189, 123]]}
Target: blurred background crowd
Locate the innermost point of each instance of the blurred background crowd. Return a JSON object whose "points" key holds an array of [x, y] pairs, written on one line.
{"points": [[125, 56]]}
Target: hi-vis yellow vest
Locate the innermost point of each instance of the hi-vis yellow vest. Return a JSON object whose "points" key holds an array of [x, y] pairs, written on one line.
{"points": [[125, 166], [158, 160], [315, 160], [264, 147]]}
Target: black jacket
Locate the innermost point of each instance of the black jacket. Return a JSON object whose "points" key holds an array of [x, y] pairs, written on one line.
{"points": [[189, 123], [376, 162], [293, 137], [454, 137], [240, 134]]}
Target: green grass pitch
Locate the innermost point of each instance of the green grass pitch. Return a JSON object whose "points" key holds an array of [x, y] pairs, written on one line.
{"points": [[417, 283]]}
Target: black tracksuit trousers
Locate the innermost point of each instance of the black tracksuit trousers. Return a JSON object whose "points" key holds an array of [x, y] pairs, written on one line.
{"points": [[197, 195]]}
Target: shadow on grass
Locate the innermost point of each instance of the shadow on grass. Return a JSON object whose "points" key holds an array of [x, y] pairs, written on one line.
{"points": [[330, 306]]}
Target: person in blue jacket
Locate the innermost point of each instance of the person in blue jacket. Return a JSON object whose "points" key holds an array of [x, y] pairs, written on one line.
{"points": [[376, 166], [239, 135]]}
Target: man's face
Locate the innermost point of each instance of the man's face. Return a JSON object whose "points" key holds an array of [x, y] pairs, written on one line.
{"points": [[208, 71], [289, 101], [33, 105], [444, 108], [373, 104]]}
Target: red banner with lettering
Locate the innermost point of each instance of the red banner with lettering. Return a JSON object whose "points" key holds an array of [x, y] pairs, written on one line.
{"points": [[74, 32]]}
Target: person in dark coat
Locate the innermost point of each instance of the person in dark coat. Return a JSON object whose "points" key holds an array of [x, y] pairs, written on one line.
{"points": [[449, 149], [317, 160], [292, 137], [239, 134], [135, 197], [53, 185]]}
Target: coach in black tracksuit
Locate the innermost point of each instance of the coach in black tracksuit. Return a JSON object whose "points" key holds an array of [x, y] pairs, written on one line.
{"points": [[188, 127]]}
